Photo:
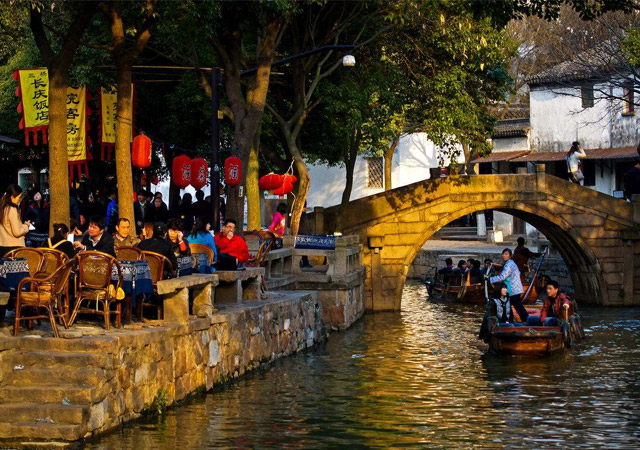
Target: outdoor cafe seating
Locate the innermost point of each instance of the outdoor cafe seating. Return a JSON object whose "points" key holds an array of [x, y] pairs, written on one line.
{"points": [[204, 255], [44, 292], [129, 254], [158, 266], [93, 287]]}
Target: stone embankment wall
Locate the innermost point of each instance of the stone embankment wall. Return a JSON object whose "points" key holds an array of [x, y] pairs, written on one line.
{"points": [[426, 260], [81, 387]]}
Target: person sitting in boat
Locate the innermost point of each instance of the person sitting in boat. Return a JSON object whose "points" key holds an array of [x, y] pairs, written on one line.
{"points": [[445, 272], [510, 275], [476, 275], [462, 267], [552, 308], [487, 266], [501, 307], [521, 256]]}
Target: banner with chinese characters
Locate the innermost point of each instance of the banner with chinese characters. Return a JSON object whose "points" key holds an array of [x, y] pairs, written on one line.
{"points": [[77, 128], [107, 135], [33, 91]]}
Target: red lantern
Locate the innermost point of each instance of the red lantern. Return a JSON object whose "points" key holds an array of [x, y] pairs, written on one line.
{"points": [[199, 172], [270, 181], [141, 151], [181, 171], [154, 179], [287, 185], [233, 171]]}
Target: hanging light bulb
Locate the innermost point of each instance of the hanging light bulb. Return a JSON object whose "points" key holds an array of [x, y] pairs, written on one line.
{"points": [[348, 60]]}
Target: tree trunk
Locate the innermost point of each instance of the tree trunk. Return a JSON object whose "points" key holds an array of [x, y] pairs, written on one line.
{"points": [[58, 156], [349, 162], [253, 192], [388, 163], [124, 125], [304, 182], [58, 65]]}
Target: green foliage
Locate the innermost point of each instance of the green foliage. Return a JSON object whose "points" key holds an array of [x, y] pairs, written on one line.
{"points": [[631, 47], [160, 403]]}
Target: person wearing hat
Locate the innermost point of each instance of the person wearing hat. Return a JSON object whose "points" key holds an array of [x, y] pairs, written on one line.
{"points": [[573, 162], [158, 244], [632, 179]]}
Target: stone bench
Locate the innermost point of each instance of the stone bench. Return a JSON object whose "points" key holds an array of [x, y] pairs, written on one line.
{"points": [[175, 296], [234, 286]]}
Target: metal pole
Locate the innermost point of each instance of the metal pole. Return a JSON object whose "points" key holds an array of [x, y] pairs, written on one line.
{"points": [[215, 148]]}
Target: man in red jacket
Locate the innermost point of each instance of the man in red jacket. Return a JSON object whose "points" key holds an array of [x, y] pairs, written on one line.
{"points": [[232, 249]]}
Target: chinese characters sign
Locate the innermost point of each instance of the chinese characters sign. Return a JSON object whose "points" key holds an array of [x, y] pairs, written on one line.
{"points": [[108, 103], [76, 123], [35, 97]]}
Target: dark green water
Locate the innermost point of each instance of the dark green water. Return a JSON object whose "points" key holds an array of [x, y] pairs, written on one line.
{"points": [[420, 379]]}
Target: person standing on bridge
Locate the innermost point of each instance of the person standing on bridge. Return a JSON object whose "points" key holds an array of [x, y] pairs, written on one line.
{"points": [[510, 275], [574, 166]]}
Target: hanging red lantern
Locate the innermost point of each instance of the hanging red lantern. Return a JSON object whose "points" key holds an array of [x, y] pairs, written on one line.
{"points": [[143, 181], [199, 172], [270, 181], [141, 151], [287, 185], [154, 179], [232, 171], [181, 171]]}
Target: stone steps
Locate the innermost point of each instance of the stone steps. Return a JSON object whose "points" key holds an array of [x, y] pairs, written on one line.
{"points": [[36, 430], [43, 413], [37, 376], [29, 395], [73, 360]]}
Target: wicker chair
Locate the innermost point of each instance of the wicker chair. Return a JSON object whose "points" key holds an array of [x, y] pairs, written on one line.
{"points": [[34, 257], [52, 260], [157, 265], [203, 249], [129, 254], [267, 242], [44, 293], [94, 285]]}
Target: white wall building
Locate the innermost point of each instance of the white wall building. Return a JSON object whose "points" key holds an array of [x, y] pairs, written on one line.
{"points": [[412, 159]]}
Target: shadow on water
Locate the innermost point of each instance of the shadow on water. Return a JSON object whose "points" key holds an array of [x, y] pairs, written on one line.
{"points": [[420, 379]]}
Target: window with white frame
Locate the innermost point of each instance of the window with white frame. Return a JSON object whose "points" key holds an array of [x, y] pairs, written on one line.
{"points": [[375, 173], [586, 92], [628, 99]]}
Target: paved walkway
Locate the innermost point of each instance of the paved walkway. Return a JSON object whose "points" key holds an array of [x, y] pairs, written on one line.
{"points": [[466, 246]]}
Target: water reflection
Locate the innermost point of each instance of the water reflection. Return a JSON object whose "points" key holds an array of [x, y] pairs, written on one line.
{"points": [[421, 379]]}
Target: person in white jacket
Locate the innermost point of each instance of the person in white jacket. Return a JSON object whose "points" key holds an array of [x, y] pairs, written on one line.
{"points": [[573, 162]]}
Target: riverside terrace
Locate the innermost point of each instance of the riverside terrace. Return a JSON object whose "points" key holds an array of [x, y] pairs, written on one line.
{"points": [[217, 327]]}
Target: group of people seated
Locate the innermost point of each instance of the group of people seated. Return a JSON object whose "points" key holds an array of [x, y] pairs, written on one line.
{"points": [[552, 308], [470, 267]]}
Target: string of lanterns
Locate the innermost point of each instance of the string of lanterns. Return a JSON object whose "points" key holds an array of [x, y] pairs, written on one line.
{"points": [[186, 171]]}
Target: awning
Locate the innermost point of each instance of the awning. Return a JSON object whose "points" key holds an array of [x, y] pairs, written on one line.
{"points": [[501, 156], [592, 153]]}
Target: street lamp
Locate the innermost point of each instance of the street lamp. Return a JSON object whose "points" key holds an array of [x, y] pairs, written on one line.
{"points": [[216, 83]]}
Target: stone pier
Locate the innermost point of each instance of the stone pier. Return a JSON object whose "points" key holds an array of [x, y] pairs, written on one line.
{"points": [[60, 390]]}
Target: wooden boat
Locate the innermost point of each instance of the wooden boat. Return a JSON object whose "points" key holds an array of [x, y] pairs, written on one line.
{"points": [[533, 340]]}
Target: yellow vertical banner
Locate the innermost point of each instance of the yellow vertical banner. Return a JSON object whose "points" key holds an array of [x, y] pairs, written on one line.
{"points": [[108, 102], [76, 123], [34, 84]]}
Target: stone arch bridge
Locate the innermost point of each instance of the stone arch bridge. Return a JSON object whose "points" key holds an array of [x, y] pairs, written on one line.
{"points": [[597, 236]]}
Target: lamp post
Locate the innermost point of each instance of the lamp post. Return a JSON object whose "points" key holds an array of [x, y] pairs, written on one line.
{"points": [[216, 84]]}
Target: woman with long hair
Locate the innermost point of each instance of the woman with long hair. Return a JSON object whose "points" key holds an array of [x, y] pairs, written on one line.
{"points": [[279, 222], [200, 235], [12, 229], [573, 162], [59, 240]]}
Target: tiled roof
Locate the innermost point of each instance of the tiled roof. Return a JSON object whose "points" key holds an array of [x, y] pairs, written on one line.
{"points": [[512, 128], [500, 156], [592, 153], [594, 64]]}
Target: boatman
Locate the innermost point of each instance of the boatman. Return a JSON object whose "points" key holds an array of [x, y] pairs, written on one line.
{"points": [[510, 275], [521, 256]]}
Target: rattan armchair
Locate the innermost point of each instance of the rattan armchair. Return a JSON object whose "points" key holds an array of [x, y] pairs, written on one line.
{"points": [[94, 285], [129, 254], [34, 257], [43, 293], [157, 265], [203, 249]]}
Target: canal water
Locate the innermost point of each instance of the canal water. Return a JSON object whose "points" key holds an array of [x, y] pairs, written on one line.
{"points": [[420, 379]]}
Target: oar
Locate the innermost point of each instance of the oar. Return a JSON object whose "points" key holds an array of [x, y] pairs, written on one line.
{"points": [[535, 275]]}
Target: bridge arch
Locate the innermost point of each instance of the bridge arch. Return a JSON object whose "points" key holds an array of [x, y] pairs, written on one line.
{"points": [[593, 232]]}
